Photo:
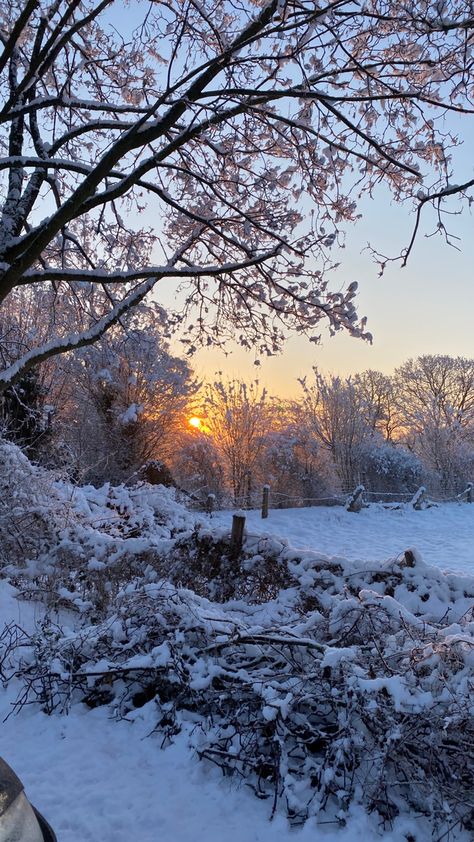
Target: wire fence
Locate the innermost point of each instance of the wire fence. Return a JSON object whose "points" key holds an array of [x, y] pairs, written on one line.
{"points": [[353, 499]]}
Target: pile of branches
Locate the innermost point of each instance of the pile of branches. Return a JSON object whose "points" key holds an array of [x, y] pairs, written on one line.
{"points": [[205, 561], [333, 692], [320, 682]]}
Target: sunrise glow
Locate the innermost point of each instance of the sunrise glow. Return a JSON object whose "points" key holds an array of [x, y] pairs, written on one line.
{"points": [[195, 422]]}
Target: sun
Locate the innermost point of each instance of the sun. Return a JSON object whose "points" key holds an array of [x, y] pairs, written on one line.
{"points": [[195, 422]]}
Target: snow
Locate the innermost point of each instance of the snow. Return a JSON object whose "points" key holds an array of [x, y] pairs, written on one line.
{"points": [[98, 779], [442, 535], [130, 416], [95, 777]]}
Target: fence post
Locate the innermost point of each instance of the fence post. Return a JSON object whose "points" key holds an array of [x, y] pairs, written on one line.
{"points": [[418, 501], [211, 499], [265, 500], [356, 500], [237, 534], [469, 492]]}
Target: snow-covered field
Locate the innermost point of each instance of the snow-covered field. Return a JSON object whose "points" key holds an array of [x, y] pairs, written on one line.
{"points": [[444, 535], [95, 778]]}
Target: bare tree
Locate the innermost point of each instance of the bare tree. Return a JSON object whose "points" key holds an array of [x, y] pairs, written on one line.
{"points": [[334, 409], [378, 402], [247, 129], [237, 415], [436, 395], [293, 462]]}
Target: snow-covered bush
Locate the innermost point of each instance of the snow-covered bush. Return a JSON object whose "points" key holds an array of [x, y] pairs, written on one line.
{"points": [[114, 533], [390, 468], [30, 510], [78, 546], [353, 683]]}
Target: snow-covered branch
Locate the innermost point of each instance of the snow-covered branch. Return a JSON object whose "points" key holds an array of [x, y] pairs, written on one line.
{"points": [[222, 119]]}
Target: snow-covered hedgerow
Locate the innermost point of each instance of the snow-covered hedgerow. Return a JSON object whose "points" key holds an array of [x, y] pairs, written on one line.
{"points": [[353, 683], [30, 511], [76, 546]]}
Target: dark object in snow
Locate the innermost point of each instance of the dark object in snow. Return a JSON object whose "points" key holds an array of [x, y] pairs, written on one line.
{"points": [[18, 819], [409, 558], [237, 534]]}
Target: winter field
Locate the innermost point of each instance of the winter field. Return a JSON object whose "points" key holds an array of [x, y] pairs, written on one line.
{"points": [[444, 534], [107, 772]]}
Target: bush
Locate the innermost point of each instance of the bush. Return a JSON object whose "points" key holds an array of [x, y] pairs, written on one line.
{"points": [[31, 512], [390, 469], [333, 692]]}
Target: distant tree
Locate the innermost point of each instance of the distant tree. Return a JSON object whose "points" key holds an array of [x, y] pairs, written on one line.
{"points": [[378, 403], [436, 396], [247, 130], [127, 402], [294, 464], [198, 467], [237, 417], [334, 409]]}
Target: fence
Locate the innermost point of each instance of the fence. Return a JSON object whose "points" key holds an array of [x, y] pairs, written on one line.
{"points": [[353, 501]]}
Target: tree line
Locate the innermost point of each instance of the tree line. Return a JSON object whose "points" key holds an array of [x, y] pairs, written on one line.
{"points": [[389, 432], [119, 411]]}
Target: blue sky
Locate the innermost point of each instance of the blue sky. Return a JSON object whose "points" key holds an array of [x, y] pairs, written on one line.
{"points": [[425, 308]]}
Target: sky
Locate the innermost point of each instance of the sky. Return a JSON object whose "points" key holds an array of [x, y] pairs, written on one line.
{"points": [[425, 308]]}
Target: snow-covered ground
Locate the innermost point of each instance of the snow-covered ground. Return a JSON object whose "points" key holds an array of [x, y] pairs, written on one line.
{"points": [[444, 535], [95, 778]]}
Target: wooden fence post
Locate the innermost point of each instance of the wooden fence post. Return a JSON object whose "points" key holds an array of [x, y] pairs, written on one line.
{"points": [[418, 501], [237, 534], [265, 500], [356, 501]]}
